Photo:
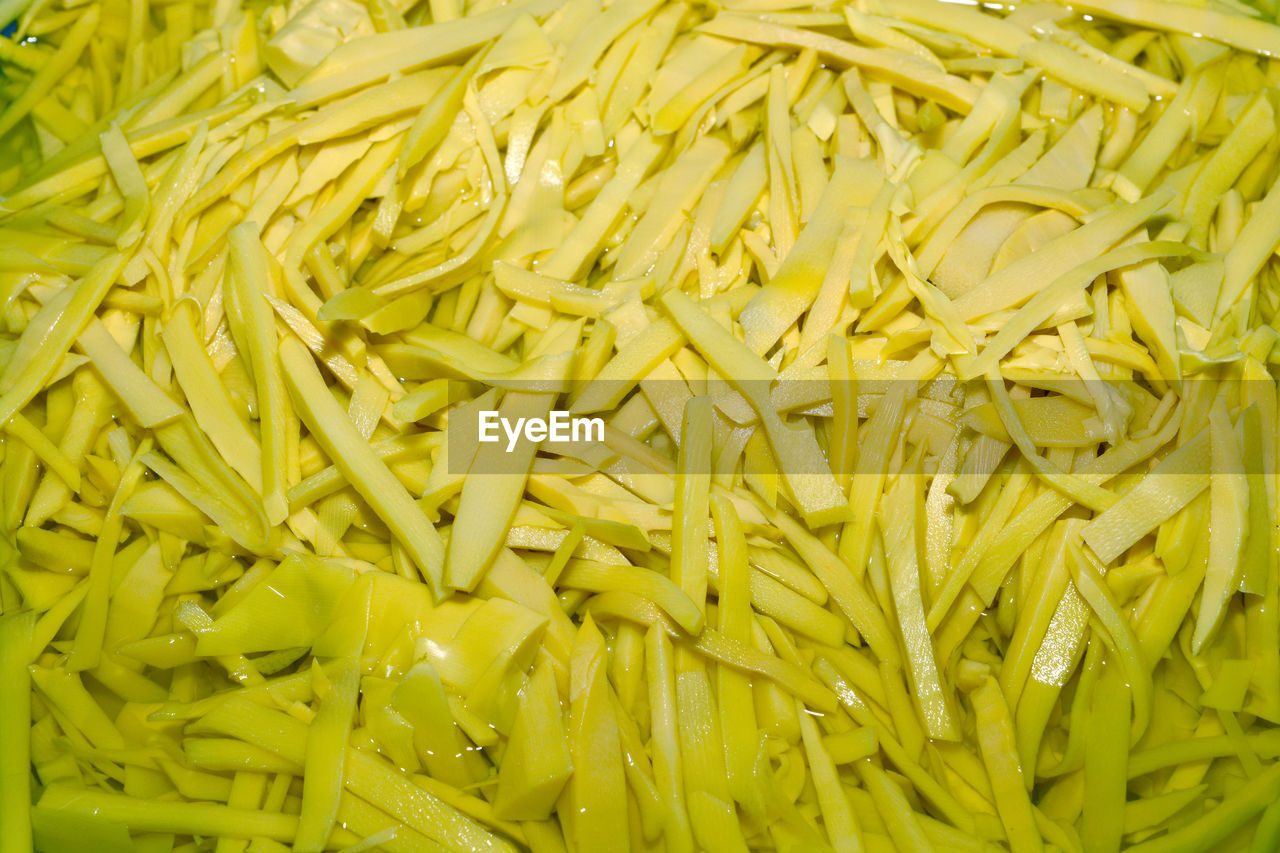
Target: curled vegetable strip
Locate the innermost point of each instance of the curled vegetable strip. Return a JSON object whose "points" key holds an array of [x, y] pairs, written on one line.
{"points": [[1094, 590]]}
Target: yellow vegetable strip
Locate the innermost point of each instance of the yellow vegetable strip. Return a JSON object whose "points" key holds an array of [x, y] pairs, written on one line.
{"points": [[953, 334], [87, 419], [471, 806], [253, 324], [91, 630], [597, 789], [1038, 610], [676, 114], [179, 182], [785, 674], [19, 55], [491, 493], [677, 191], [999, 755], [351, 454], [1040, 513], [1237, 30], [987, 30], [1050, 669], [1204, 832], [368, 777], [420, 698], [784, 203], [571, 258], [225, 754], [1228, 524], [904, 580], [1223, 168], [48, 452], [149, 815], [16, 631], [351, 116], [690, 529], [796, 612], [359, 62], [77, 38], [207, 396], [847, 591], [1077, 488], [446, 273], [1156, 85], [538, 760], [1079, 73], [583, 54], [851, 746], [991, 111], [1252, 246], [426, 400], [1189, 751], [748, 181], [983, 542], [550, 292], [146, 402], [351, 192], [1094, 590], [665, 744], [1149, 155], [1267, 834], [901, 821], [601, 577], [50, 333], [800, 277], [633, 361], [870, 29], [880, 436], [247, 790], [837, 814], [432, 123], [132, 185], [322, 779], [923, 781], [903, 69], [1257, 539], [201, 476], [936, 245], [711, 814], [1020, 280], [1172, 484], [1149, 813], [65, 691], [733, 689], [638, 771], [1061, 293], [800, 460]]}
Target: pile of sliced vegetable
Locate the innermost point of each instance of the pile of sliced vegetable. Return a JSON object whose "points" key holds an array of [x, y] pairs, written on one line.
{"points": [[935, 346]]}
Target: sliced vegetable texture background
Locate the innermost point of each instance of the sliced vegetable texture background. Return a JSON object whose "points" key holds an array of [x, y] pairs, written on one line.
{"points": [[935, 346]]}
